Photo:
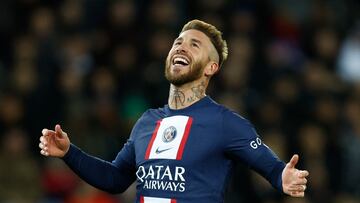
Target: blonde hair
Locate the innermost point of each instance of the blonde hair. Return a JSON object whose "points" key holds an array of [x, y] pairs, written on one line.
{"points": [[214, 35]]}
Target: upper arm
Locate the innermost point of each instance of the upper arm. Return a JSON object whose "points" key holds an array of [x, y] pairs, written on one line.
{"points": [[244, 144], [126, 158], [242, 141]]}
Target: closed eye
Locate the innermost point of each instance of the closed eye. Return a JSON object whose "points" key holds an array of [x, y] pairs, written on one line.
{"points": [[177, 41], [195, 45]]}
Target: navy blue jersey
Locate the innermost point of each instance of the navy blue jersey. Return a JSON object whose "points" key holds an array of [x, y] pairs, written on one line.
{"points": [[181, 155]]}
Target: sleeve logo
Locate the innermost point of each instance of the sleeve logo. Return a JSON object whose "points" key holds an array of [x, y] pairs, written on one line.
{"points": [[255, 143]]}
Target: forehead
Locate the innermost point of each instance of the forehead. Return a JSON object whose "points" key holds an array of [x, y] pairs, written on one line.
{"points": [[195, 34]]}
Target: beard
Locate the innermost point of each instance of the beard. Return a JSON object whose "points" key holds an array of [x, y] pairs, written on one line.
{"points": [[194, 73]]}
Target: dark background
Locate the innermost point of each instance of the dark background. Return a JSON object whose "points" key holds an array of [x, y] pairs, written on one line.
{"points": [[94, 66]]}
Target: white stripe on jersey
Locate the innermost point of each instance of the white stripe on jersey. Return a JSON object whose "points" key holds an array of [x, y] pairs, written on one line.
{"points": [[155, 200], [169, 149]]}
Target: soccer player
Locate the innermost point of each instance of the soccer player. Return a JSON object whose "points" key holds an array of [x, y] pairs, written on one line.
{"points": [[184, 151]]}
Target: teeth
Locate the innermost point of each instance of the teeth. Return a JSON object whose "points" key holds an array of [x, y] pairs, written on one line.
{"points": [[180, 60]]}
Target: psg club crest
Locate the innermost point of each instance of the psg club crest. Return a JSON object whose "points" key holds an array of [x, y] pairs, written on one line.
{"points": [[169, 134]]}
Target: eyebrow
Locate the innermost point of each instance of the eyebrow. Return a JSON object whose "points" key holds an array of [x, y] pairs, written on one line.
{"points": [[178, 39], [196, 41], [192, 40]]}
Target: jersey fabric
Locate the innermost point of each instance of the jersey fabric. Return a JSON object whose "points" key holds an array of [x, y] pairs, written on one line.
{"points": [[181, 155]]}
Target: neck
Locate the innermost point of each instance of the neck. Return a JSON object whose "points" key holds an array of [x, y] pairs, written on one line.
{"points": [[183, 96]]}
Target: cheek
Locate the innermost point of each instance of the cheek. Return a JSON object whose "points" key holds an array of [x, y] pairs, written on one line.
{"points": [[200, 55], [168, 59], [171, 51], [170, 54], [199, 58]]}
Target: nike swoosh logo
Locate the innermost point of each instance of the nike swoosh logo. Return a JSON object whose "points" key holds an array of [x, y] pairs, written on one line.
{"points": [[158, 151]]}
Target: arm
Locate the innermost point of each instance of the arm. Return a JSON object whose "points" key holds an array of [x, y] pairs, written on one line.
{"points": [[112, 177], [244, 144]]}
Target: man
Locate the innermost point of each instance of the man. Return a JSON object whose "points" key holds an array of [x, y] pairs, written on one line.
{"points": [[184, 151]]}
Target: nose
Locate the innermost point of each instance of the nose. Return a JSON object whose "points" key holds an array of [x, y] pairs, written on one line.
{"points": [[180, 49]]}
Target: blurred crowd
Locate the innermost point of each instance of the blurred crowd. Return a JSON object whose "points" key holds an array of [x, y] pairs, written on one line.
{"points": [[94, 66]]}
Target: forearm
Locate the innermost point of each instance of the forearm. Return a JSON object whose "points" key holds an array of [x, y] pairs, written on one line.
{"points": [[98, 173], [270, 167]]}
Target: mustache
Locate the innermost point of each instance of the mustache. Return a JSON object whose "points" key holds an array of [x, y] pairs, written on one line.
{"points": [[179, 53]]}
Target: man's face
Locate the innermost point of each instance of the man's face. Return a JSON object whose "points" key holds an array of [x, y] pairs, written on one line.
{"points": [[188, 57]]}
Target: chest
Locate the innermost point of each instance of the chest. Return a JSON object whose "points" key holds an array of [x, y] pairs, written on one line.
{"points": [[177, 140]]}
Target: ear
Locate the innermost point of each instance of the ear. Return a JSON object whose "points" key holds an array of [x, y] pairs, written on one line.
{"points": [[211, 68]]}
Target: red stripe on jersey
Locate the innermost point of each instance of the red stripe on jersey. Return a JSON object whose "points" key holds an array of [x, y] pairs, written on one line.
{"points": [[147, 154], [141, 199], [184, 139], [173, 201]]}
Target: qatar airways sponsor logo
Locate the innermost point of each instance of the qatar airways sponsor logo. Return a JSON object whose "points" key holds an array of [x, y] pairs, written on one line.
{"points": [[159, 177]]}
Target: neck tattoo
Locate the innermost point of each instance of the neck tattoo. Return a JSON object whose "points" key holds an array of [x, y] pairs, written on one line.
{"points": [[198, 92], [178, 98]]}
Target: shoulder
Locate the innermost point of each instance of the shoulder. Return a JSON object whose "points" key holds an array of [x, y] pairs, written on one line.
{"points": [[147, 122], [236, 125], [232, 122], [229, 115], [152, 113], [145, 119], [150, 117]]}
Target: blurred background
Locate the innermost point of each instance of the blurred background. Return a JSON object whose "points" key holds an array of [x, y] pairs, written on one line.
{"points": [[95, 65]]}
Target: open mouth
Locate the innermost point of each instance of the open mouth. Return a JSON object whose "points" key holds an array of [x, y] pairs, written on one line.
{"points": [[180, 61]]}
